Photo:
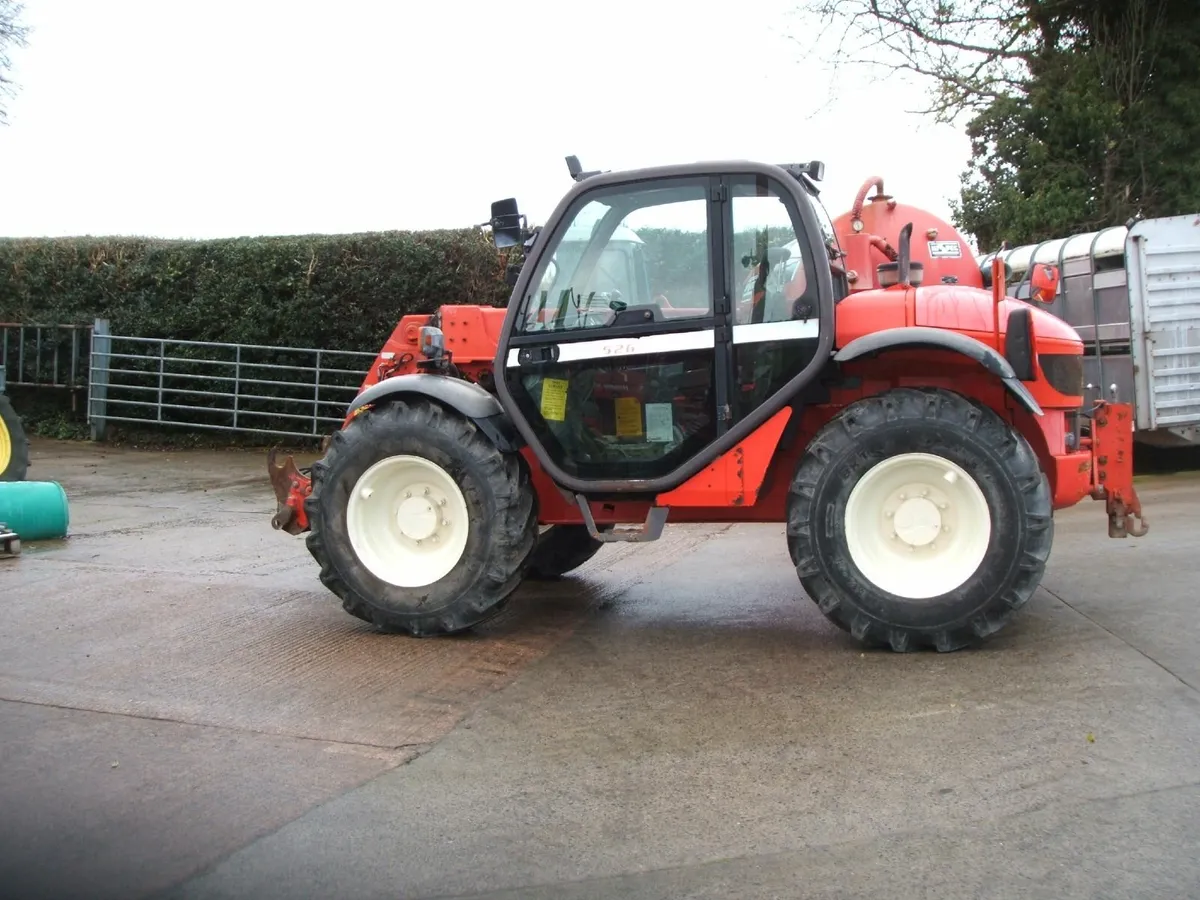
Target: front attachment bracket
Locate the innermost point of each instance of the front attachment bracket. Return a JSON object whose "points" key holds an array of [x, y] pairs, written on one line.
{"points": [[650, 530], [291, 488], [1112, 469]]}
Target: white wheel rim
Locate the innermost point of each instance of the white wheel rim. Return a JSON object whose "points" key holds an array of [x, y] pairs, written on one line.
{"points": [[917, 525], [407, 521]]}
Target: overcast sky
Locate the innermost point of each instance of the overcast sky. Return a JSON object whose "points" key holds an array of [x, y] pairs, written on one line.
{"points": [[238, 117]]}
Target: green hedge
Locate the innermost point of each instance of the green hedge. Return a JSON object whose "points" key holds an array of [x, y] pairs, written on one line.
{"points": [[333, 292], [339, 292]]}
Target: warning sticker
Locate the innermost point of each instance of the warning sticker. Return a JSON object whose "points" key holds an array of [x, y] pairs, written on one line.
{"points": [[554, 399], [945, 249], [629, 417], [660, 423]]}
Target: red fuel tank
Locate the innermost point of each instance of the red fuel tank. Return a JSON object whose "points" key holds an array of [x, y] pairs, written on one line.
{"points": [[869, 233]]}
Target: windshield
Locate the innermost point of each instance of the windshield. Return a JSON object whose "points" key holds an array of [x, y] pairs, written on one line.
{"points": [[643, 249], [828, 235]]}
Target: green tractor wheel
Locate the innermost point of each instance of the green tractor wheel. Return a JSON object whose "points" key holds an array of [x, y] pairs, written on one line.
{"points": [[14, 448]]}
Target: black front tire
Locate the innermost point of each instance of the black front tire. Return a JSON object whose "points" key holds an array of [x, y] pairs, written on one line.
{"points": [[945, 424], [13, 435], [561, 549], [501, 507]]}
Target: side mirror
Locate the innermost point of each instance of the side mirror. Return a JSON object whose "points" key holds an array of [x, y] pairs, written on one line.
{"points": [[507, 223], [1043, 283]]}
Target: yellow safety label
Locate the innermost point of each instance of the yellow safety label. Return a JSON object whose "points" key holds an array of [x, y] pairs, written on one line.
{"points": [[629, 417], [554, 399]]}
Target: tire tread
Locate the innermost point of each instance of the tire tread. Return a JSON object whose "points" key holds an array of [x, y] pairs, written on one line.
{"points": [[561, 549], [18, 463], [838, 438], [513, 535]]}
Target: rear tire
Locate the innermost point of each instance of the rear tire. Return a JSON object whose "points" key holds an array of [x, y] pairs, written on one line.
{"points": [[561, 549], [883, 483], [14, 448], [420, 524]]}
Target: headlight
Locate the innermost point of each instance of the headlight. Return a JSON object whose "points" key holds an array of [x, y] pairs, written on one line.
{"points": [[1064, 371]]}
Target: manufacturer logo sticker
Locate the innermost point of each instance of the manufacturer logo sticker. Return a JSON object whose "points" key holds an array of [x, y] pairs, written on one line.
{"points": [[945, 249]]}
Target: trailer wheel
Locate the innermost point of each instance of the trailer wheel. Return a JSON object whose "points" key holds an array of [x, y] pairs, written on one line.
{"points": [[14, 448], [420, 524], [561, 549], [919, 519]]}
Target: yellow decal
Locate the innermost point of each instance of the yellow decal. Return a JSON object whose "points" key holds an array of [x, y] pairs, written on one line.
{"points": [[629, 417], [554, 399]]}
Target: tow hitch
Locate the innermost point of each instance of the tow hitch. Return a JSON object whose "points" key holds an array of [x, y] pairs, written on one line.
{"points": [[1112, 469]]}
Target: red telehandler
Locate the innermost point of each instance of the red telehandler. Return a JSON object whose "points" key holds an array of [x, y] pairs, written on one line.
{"points": [[702, 343]]}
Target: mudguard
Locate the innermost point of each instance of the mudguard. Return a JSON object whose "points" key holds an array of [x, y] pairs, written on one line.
{"points": [[918, 336], [464, 397]]}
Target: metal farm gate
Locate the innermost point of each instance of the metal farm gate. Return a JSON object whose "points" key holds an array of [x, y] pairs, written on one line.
{"points": [[53, 356], [287, 391]]}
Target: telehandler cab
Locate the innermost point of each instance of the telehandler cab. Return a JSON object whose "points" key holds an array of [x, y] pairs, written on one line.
{"points": [[702, 343]]}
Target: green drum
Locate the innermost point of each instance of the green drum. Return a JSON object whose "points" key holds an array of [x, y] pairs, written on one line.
{"points": [[35, 510]]}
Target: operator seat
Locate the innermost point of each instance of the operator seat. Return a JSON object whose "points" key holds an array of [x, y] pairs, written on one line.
{"points": [[781, 306]]}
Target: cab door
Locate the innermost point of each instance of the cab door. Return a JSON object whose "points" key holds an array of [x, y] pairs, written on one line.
{"points": [[655, 323]]}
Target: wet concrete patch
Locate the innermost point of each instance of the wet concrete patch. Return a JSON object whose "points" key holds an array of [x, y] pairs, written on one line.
{"points": [[98, 806], [708, 725], [175, 625], [680, 721]]}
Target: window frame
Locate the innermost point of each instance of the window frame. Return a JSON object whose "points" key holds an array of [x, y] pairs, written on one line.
{"points": [[520, 337], [795, 194]]}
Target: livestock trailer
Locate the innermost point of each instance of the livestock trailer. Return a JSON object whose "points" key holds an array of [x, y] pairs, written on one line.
{"points": [[1133, 294]]}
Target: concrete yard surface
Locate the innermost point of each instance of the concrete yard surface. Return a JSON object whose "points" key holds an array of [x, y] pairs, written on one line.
{"points": [[186, 712]]}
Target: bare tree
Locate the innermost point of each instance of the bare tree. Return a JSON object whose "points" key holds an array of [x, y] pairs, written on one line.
{"points": [[12, 34], [973, 51]]}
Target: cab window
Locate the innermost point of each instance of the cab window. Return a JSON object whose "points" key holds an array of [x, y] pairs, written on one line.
{"points": [[628, 257]]}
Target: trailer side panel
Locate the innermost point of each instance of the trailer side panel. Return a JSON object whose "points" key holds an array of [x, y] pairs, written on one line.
{"points": [[1163, 259]]}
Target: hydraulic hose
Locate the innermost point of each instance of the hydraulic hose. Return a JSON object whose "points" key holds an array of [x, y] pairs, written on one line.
{"points": [[874, 181]]}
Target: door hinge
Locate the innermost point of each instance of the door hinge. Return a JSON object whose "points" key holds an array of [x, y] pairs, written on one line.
{"points": [[720, 193], [721, 334]]}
